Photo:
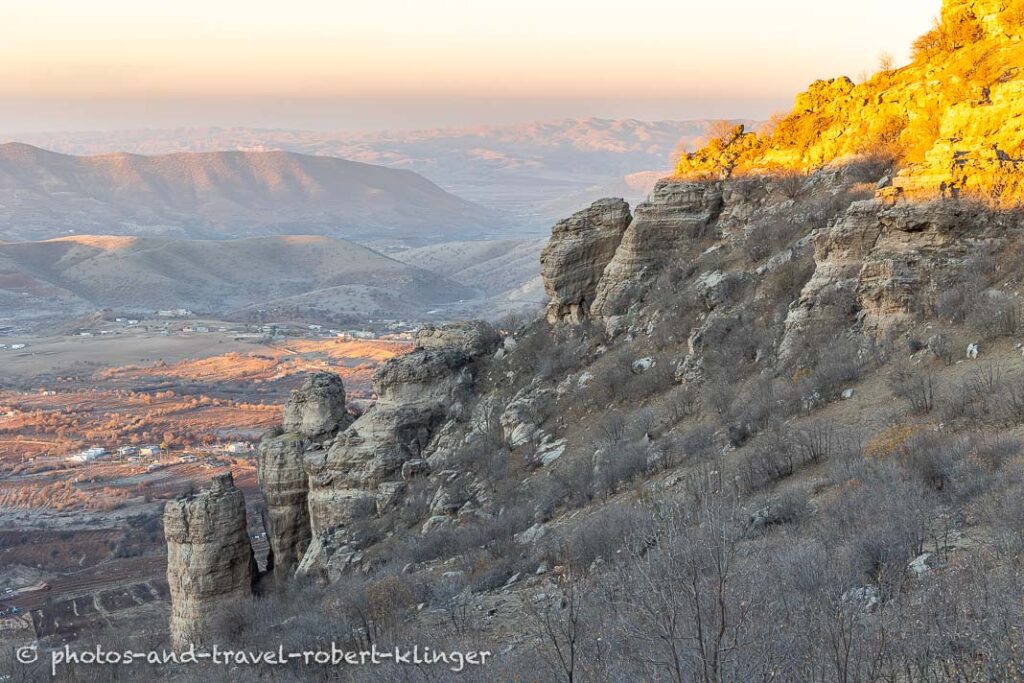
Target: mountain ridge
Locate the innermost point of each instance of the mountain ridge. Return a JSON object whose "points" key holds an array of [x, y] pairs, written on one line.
{"points": [[223, 194]]}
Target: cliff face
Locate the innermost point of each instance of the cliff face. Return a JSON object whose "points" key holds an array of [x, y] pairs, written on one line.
{"points": [[951, 117], [675, 214], [210, 562]]}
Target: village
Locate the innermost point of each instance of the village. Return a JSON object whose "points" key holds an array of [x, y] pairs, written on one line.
{"points": [[156, 456], [181, 321]]}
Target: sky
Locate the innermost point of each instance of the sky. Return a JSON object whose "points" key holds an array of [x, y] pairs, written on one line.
{"points": [[372, 64]]}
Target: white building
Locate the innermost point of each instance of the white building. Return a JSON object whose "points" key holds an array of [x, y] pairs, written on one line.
{"points": [[88, 455]]}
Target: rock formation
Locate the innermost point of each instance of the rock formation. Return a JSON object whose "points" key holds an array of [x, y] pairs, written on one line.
{"points": [[210, 561], [285, 487], [671, 227], [674, 214], [951, 117], [883, 263], [317, 409], [364, 469], [575, 258], [312, 416]]}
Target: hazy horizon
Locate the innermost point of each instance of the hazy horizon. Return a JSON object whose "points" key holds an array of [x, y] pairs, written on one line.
{"points": [[113, 64]]}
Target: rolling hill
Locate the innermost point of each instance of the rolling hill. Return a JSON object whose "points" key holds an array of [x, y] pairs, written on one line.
{"points": [[294, 275], [218, 195]]}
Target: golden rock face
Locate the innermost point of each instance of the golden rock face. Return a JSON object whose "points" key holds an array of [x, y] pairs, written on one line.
{"points": [[953, 119]]}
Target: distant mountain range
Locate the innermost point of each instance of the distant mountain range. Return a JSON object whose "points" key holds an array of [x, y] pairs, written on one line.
{"points": [[217, 195], [300, 276], [529, 172]]}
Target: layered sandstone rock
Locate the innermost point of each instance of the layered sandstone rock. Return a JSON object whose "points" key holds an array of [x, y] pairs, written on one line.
{"points": [[882, 264], [574, 259], [313, 415], [472, 337], [317, 409], [675, 215], [362, 473], [210, 561], [282, 478]]}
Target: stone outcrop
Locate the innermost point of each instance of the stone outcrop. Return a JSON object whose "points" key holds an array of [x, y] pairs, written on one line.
{"points": [[574, 259], [676, 214], [882, 264], [471, 337], [317, 409], [282, 478], [210, 562], [312, 416], [951, 118], [364, 470]]}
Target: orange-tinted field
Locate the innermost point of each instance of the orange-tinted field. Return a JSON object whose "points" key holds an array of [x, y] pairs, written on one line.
{"points": [[355, 361], [193, 408]]}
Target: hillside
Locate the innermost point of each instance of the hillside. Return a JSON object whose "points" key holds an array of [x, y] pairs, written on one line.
{"points": [[951, 119], [300, 274], [220, 195], [495, 266]]}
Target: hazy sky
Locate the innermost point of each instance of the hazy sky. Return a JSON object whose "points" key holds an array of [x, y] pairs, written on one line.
{"points": [[333, 64]]}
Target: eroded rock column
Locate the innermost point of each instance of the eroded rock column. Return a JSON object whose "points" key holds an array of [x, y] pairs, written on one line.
{"points": [[312, 416], [210, 562]]}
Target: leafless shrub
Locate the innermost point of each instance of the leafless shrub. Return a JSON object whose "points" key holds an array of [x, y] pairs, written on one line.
{"points": [[696, 445], [681, 402], [782, 285], [771, 458], [654, 380], [643, 422], [790, 184], [917, 386], [765, 238], [719, 395], [993, 451], [840, 363], [816, 442], [621, 463], [776, 510], [576, 479], [995, 314], [941, 346], [613, 427]]}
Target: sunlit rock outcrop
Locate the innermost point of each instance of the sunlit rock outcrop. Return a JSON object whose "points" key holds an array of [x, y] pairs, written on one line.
{"points": [[951, 118]]}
